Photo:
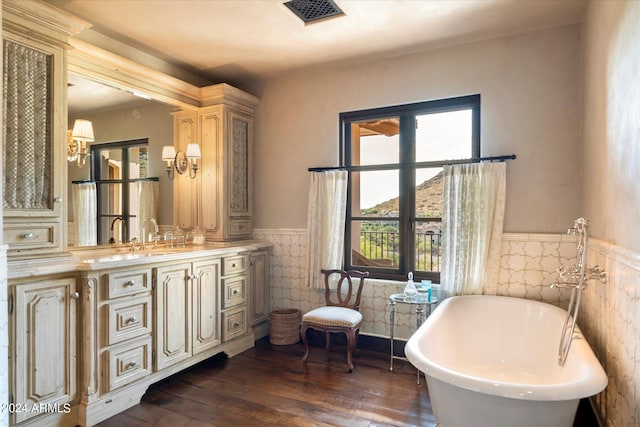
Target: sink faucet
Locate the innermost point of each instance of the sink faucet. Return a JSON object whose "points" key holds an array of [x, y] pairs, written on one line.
{"points": [[155, 232], [112, 239]]}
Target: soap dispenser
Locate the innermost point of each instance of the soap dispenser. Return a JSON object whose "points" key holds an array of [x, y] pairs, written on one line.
{"points": [[410, 291]]}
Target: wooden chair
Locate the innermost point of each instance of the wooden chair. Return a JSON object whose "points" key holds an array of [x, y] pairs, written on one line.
{"points": [[339, 315]]}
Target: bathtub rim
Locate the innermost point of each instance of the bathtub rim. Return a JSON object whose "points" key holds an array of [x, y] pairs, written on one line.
{"points": [[590, 384]]}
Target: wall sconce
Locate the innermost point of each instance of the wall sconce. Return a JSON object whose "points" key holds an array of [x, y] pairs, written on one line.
{"points": [[181, 161], [77, 139]]}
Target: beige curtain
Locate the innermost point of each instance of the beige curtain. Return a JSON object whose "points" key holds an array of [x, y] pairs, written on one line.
{"points": [[472, 223], [27, 131], [147, 199], [325, 223], [85, 205]]}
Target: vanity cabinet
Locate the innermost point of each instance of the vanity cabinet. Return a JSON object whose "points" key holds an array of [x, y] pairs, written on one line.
{"points": [[234, 296], [186, 300], [35, 41], [259, 263], [219, 200], [43, 346], [126, 326]]}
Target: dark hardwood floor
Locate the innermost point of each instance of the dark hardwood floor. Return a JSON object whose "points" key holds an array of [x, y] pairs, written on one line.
{"points": [[269, 386]]}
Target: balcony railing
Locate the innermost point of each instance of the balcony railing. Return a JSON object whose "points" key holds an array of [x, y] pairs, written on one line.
{"points": [[382, 249]]}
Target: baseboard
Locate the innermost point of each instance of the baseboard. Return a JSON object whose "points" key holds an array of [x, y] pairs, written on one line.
{"points": [[365, 342]]}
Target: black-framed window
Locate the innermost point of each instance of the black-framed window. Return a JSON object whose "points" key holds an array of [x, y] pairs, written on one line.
{"points": [[395, 156]]}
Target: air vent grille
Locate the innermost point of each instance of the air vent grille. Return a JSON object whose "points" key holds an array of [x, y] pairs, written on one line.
{"points": [[313, 10]]}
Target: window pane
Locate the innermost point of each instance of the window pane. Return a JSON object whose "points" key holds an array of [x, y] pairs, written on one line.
{"points": [[375, 193], [375, 244], [375, 142], [429, 193], [444, 136], [428, 245]]}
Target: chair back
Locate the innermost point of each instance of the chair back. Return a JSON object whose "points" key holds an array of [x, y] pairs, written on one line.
{"points": [[345, 294]]}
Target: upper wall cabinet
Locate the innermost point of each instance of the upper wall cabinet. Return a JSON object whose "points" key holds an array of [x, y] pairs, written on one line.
{"points": [[35, 42], [219, 199]]}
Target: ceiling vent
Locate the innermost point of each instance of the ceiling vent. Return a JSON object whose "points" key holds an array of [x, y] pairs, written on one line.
{"points": [[313, 10]]}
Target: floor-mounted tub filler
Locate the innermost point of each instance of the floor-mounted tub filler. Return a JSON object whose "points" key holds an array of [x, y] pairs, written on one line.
{"points": [[492, 361]]}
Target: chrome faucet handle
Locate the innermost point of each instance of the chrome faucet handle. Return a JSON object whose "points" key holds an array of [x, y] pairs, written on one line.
{"points": [[133, 247]]}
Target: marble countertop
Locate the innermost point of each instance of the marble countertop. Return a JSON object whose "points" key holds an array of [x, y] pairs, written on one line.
{"points": [[101, 258]]}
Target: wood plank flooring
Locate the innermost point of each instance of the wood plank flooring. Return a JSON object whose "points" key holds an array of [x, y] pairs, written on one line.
{"points": [[270, 386]]}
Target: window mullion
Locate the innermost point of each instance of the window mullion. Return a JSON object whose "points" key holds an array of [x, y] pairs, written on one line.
{"points": [[407, 193]]}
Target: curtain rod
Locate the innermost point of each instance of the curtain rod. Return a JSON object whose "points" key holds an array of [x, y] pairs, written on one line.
{"points": [[115, 181], [417, 165]]}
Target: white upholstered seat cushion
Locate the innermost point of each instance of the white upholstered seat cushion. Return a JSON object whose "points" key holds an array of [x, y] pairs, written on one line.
{"points": [[333, 316]]}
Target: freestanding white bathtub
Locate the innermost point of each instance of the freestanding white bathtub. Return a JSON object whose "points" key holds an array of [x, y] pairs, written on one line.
{"points": [[492, 361]]}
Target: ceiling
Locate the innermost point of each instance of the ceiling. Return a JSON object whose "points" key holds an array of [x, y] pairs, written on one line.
{"points": [[245, 42], [237, 40]]}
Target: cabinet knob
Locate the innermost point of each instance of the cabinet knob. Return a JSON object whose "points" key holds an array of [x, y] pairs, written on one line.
{"points": [[28, 236], [57, 199], [235, 292], [131, 319], [236, 324], [132, 364], [192, 277], [130, 283], [75, 295], [233, 265]]}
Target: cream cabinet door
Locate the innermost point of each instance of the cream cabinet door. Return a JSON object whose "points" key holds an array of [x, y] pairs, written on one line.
{"points": [[173, 315], [259, 283], [44, 346], [206, 325]]}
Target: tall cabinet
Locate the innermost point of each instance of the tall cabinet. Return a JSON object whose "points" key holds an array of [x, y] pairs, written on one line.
{"points": [[35, 42], [219, 200]]}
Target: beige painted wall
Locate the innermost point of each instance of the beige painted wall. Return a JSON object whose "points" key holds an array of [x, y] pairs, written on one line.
{"points": [[611, 191], [151, 121], [531, 106]]}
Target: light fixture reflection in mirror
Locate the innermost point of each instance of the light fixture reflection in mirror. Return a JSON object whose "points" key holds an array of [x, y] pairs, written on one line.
{"points": [[180, 161], [77, 139]]}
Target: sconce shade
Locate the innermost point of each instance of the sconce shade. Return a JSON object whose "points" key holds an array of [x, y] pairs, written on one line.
{"points": [[168, 152], [193, 151], [82, 130]]}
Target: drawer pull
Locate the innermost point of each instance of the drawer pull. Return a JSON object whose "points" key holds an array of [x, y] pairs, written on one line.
{"points": [[132, 364], [131, 319], [129, 283], [236, 324], [28, 236], [235, 292], [75, 295]]}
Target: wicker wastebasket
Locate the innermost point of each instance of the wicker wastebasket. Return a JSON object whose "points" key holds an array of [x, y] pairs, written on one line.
{"points": [[284, 326]]}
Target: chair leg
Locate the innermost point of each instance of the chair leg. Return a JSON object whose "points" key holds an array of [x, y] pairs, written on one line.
{"points": [[303, 334], [352, 338], [328, 340]]}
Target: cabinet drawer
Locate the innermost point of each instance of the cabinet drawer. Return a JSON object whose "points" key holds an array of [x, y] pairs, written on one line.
{"points": [[239, 227], [235, 291], [126, 364], [234, 323], [31, 236], [128, 319], [234, 264], [128, 282]]}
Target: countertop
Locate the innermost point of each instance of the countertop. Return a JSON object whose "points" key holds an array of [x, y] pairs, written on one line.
{"points": [[107, 257]]}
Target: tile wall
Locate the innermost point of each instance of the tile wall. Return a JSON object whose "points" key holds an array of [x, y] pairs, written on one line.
{"points": [[609, 315]]}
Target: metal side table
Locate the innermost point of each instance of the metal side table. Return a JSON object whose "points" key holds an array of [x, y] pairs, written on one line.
{"points": [[423, 310]]}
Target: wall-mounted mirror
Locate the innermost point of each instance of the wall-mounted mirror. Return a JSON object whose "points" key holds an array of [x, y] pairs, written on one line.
{"points": [[118, 117]]}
